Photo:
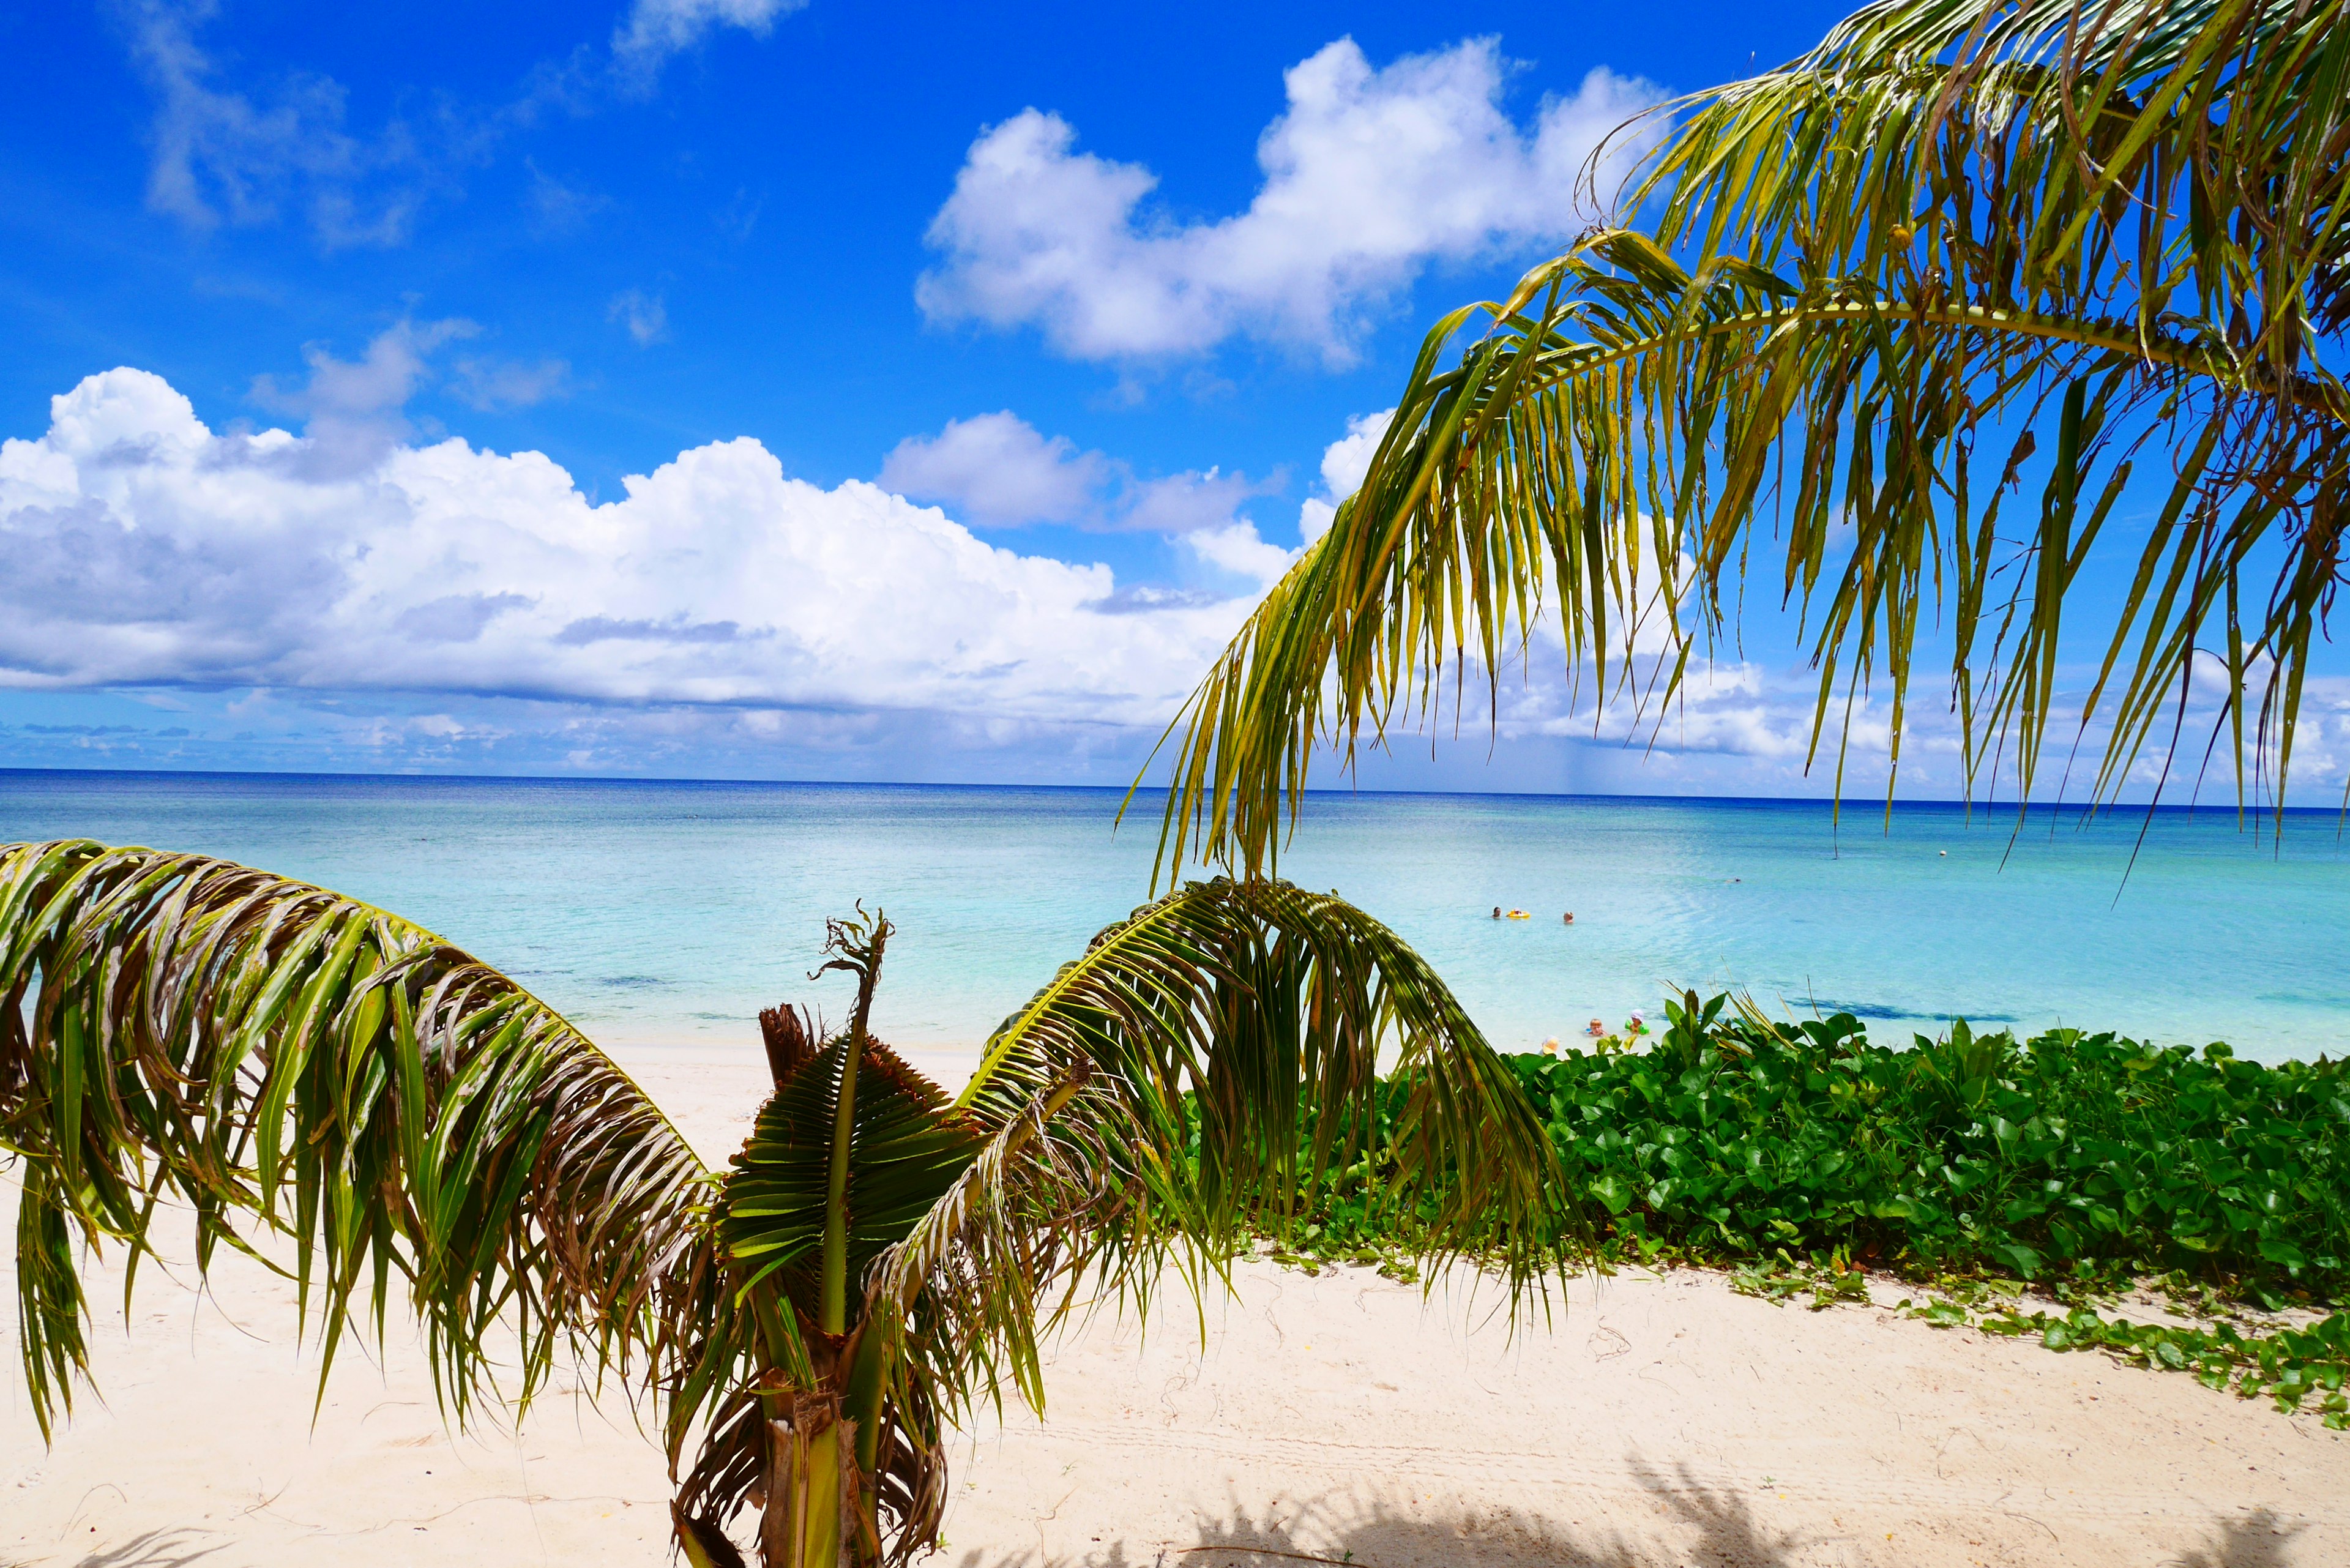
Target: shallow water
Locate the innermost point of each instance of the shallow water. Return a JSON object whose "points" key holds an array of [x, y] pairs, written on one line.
{"points": [[669, 912]]}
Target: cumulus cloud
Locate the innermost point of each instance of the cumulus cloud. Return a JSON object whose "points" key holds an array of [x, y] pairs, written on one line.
{"points": [[353, 406], [999, 470], [1370, 174], [1236, 548], [144, 548], [147, 550], [1344, 463], [1192, 502], [1348, 459]]}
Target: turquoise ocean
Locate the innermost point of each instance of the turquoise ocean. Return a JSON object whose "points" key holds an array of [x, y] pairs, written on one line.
{"points": [[669, 913]]}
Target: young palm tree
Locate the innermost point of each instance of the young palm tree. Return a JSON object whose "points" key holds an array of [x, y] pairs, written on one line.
{"points": [[1963, 249], [288, 1062]]}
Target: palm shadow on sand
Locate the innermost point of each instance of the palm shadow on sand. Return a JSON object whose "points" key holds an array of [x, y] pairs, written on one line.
{"points": [[2257, 1540], [171, 1547], [1346, 1530], [1696, 1527]]}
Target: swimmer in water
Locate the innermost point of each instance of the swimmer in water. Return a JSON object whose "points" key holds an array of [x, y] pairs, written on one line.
{"points": [[1569, 919], [1497, 911]]}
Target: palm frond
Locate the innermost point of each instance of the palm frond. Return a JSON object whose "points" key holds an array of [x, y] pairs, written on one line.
{"points": [[907, 1149], [1959, 250], [906, 1152], [1209, 1066], [177, 1028]]}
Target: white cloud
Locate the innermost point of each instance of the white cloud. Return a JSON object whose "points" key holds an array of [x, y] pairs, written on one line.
{"points": [[655, 29], [492, 384], [644, 314], [1348, 459], [220, 156], [999, 470], [249, 154], [144, 548], [1314, 516], [1369, 175], [1236, 548], [1344, 463], [1187, 503], [353, 406]]}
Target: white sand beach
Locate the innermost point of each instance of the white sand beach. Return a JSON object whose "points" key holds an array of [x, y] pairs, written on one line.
{"points": [[1654, 1421]]}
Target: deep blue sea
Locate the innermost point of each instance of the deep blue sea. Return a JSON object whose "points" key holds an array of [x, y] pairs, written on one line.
{"points": [[669, 912]]}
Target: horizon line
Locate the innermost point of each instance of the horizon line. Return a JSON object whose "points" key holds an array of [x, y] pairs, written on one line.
{"points": [[1986, 806]]}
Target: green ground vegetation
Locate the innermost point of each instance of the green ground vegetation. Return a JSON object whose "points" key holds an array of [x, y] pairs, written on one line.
{"points": [[1976, 1167], [2074, 1157]]}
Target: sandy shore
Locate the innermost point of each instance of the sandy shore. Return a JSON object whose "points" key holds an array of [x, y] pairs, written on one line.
{"points": [[1657, 1421]]}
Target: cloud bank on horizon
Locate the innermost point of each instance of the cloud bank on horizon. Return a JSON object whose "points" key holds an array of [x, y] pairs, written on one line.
{"points": [[151, 553], [146, 549]]}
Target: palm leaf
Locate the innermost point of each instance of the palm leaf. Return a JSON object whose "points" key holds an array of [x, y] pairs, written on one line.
{"points": [[1958, 250], [907, 1151], [176, 1028], [1208, 1066]]}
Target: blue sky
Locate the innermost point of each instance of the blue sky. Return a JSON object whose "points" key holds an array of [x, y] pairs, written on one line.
{"points": [[725, 387]]}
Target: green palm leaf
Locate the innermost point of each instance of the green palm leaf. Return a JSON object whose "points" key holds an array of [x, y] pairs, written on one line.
{"points": [[907, 1152], [1958, 251], [1207, 1066], [1212, 1062], [179, 1028], [908, 1147]]}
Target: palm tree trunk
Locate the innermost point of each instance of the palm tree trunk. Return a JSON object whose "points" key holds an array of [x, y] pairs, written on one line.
{"points": [[809, 1493]]}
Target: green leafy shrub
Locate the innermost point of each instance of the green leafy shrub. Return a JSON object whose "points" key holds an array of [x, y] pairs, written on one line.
{"points": [[2069, 1156]]}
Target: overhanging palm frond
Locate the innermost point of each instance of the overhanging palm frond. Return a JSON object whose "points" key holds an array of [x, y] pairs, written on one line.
{"points": [[267, 1052], [2101, 247]]}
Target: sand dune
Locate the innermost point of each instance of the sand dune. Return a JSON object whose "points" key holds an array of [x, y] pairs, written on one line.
{"points": [[1655, 1420]]}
